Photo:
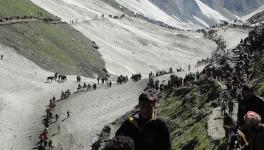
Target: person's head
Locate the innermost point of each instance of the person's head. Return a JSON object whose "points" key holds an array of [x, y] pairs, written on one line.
{"points": [[120, 143], [252, 119], [146, 105], [247, 91]]}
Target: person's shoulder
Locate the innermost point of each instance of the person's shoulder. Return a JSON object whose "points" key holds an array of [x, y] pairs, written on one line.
{"points": [[161, 121]]}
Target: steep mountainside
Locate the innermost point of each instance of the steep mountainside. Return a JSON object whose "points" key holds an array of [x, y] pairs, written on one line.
{"points": [[207, 12], [255, 16], [237, 7], [54, 47], [130, 44], [194, 11]]}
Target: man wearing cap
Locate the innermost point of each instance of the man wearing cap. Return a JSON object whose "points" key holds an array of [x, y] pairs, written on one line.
{"points": [[250, 102], [147, 131]]}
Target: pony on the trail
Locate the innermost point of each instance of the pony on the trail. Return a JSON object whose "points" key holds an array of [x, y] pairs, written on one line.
{"points": [[50, 78]]}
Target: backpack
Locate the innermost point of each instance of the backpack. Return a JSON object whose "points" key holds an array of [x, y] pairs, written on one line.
{"points": [[233, 140]]}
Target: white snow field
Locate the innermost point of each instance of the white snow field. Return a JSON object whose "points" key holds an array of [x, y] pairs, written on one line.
{"points": [[210, 13], [130, 45], [148, 9], [232, 36]]}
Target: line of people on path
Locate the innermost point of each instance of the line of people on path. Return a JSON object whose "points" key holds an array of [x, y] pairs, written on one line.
{"points": [[44, 137], [122, 79], [247, 132], [73, 21]]}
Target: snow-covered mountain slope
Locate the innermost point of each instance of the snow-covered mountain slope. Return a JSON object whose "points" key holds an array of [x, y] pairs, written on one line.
{"points": [[194, 11], [208, 12], [148, 9], [254, 13], [130, 45], [232, 36], [23, 97], [237, 7]]}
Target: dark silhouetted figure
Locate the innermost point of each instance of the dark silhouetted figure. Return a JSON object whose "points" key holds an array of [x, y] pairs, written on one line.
{"points": [[98, 80], [58, 129], [56, 117], [68, 114], [147, 131]]}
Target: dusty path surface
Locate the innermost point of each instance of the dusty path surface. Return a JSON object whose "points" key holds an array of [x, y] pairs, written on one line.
{"points": [[215, 122], [90, 111]]}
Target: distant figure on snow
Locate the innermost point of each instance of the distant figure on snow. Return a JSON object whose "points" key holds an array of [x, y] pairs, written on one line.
{"points": [[56, 117], [68, 114], [78, 79], [98, 80], [58, 129]]}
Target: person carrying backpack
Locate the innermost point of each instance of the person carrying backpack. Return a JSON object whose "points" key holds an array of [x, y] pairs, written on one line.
{"points": [[236, 139]]}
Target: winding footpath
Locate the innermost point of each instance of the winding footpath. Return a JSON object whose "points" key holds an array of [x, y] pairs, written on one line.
{"points": [[215, 122], [90, 111]]}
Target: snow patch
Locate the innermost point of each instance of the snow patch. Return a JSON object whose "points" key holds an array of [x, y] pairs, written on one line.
{"points": [[201, 21], [148, 9], [209, 12]]}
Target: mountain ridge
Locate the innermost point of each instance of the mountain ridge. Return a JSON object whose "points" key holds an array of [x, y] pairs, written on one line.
{"points": [[207, 12]]}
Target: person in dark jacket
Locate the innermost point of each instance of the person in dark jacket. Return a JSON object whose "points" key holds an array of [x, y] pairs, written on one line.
{"points": [[250, 102], [147, 131]]}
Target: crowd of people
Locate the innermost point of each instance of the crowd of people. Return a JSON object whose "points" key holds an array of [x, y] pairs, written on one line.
{"points": [[122, 79], [249, 124], [136, 77], [247, 132]]}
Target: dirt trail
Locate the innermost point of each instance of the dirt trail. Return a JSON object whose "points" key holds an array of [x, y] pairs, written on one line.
{"points": [[215, 121], [29, 20], [90, 111]]}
